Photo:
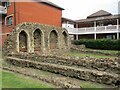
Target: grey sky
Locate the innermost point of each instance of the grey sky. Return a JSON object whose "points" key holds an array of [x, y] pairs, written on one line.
{"points": [[80, 9]]}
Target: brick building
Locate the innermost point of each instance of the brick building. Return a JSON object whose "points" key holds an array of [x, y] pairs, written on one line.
{"points": [[98, 25], [14, 13]]}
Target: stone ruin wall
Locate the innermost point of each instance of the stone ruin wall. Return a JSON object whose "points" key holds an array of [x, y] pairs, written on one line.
{"points": [[37, 38], [105, 71], [31, 40]]}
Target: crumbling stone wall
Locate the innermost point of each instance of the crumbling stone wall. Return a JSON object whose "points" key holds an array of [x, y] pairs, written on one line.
{"points": [[37, 40], [107, 64], [31, 37], [83, 74], [23, 41], [53, 40], [65, 38]]}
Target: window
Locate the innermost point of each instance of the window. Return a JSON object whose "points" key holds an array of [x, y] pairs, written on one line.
{"points": [[110, 36], [7, 4], [9, 20]]}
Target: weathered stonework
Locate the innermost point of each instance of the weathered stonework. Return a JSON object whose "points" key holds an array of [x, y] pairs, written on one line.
{"points": [[106, 64], [36, 38], [38, 46], [83, 74]]}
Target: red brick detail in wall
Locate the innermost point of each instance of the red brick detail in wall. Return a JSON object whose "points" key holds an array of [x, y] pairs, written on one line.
{"points": [[38, 12], [3, 39], [35, 12], [32, 12]]}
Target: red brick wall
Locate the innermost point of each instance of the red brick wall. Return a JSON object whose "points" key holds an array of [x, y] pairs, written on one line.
{"points": [[32, 12], [3, 39], [37, 12]]}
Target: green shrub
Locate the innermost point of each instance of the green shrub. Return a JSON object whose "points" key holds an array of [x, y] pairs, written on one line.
{"points": [[105, 44]]}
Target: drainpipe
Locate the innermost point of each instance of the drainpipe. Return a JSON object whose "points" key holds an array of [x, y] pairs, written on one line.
{"points": [[117, 29], [95, 24], [14, 13], [77, 36]]}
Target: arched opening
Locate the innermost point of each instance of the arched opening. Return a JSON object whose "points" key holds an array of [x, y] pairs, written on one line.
{"points": [[37, 40], [53, 40], [65, 39], [23, 41]]}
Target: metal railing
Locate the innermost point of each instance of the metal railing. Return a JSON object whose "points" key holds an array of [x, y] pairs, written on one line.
{"points": [[92, 30]]}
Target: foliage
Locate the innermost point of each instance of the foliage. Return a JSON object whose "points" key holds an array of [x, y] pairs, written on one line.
{"points": [[104, 44]]}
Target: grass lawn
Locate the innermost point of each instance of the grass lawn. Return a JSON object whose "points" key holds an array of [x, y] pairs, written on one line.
{"points": [[114, 52], [13, 80], [0, 78], [93, 86], [80, 54]]}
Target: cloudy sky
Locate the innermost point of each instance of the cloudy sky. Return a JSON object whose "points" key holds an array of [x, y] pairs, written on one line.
{"points": [[80, 9]]}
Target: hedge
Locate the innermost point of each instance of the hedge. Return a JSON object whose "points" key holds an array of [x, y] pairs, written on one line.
{"points": [[104, 44]]}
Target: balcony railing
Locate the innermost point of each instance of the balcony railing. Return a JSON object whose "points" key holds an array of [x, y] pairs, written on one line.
{"points": [[92, 30], [3, 10]]}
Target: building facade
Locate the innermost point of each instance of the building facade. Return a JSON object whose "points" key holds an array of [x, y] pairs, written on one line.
{"points": [[98, 25], [14, 13]]}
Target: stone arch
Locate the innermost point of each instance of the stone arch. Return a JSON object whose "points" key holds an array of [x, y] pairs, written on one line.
{"points": [[53, 39], [65, 39], [38, 36], [23, 39]]}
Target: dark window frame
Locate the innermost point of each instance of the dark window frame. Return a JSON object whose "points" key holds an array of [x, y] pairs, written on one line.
{"points": [[9, 20], [7, 4]]}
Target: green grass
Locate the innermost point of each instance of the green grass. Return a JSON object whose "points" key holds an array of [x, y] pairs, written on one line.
{"points": [[0, 78], [13, 80], [83, 84], [114, 52], [91, 85], [79, 54]]}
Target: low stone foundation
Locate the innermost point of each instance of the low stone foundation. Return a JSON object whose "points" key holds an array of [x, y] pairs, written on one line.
{"points": [[67, 67], [59, 82], [106, 64]]}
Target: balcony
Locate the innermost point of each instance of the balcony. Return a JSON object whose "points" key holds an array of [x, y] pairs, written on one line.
{"points": [[94, 30], [3, 10]]}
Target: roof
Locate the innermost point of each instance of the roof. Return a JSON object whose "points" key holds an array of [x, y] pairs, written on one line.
{"points": [[50, 4], [99, 13], [66, 19], [98, 18]]}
